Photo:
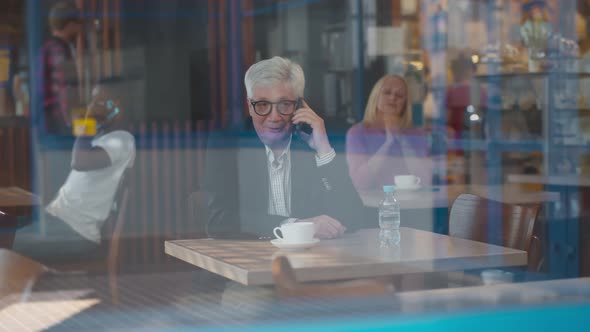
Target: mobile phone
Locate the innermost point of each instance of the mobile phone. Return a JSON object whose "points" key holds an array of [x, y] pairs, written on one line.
{"points": [[302, 127]]}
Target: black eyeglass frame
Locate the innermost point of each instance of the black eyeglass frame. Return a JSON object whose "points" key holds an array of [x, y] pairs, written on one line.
{"points": [[272, 105]]}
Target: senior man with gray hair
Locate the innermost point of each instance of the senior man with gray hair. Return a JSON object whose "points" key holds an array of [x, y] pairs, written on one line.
{"points": [[287, 175]]}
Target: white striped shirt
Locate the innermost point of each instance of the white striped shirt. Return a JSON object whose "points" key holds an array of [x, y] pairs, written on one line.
{"points": [[279, 174]]}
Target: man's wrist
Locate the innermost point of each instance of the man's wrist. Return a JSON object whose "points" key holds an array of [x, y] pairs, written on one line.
{"points": [[324, 149], [325, 159]]}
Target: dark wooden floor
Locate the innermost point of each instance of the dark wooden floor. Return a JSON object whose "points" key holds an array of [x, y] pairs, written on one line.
{"points": [[196, 299]]}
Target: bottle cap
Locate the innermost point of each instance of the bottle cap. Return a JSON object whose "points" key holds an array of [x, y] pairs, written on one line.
{"points": [[388, 189]]}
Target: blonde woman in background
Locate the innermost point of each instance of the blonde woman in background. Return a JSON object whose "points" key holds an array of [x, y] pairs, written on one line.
{"points": [[384, 144]]}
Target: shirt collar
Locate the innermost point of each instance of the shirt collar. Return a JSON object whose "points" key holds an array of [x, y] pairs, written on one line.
{"points": [[271, 156]]}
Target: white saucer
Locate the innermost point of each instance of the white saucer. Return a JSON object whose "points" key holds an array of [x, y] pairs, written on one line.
{"points": [[294, 246]]}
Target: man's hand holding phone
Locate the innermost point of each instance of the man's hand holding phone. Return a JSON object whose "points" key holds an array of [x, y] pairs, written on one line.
{"points": [[318, 139]]}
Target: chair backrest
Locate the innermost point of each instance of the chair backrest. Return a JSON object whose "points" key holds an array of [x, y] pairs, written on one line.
{"points": [[469, 219], [197, 212], [121, 187], [113, 227], [18, 273], [284, 277], [286, 285], [115, 240]]}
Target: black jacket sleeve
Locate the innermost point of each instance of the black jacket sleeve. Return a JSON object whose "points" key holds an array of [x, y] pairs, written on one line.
{"points": [[340, 200]]}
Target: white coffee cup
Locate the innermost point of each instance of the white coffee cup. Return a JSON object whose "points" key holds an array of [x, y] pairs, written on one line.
{"points": [[406, 181], [297, 232], [493, 277]]}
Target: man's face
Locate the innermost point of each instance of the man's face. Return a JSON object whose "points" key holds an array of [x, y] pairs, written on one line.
{"points": [[99, 105], [274, 128]]}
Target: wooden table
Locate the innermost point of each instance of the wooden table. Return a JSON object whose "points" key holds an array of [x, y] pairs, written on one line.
{"points": [[15, 197], [444, 196], [356, 255], [428, 207], [15, 205], [556, 180]]}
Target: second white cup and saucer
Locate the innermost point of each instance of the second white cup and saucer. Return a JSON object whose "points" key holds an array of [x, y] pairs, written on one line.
{"points": [[407, 182], [295, 236]]}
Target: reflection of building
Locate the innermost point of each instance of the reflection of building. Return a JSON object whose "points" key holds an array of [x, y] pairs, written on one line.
{"points": [[185, 60]]}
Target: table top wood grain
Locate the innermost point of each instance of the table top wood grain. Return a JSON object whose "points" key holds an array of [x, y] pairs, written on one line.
{"points": [[356, 255]]}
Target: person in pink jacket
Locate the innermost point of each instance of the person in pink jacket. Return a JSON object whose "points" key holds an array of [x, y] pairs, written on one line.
{"points": [[384, 144]]}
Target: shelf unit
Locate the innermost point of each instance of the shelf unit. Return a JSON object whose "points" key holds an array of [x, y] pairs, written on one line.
{"points": [[563, 246]]}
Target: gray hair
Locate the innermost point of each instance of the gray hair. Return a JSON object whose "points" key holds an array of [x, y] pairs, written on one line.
{"points": [[273, 71]]}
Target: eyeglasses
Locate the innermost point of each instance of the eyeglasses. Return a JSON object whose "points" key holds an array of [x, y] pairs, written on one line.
{"points": [[284, 107]]}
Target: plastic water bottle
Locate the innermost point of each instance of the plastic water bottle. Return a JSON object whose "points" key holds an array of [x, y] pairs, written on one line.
{"points": [[389, 218]]}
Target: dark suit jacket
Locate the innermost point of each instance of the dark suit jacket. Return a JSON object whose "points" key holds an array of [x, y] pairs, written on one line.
{"points": [[237, 183]]}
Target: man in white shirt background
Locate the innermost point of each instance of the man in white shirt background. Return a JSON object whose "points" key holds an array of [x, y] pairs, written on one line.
{"points": [[100, 157]]}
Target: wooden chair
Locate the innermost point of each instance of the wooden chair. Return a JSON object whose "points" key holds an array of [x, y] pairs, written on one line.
{"points": [[18, 273], [110, 248], [116, 221], [286, 285], [468, 219], [197, 212]]}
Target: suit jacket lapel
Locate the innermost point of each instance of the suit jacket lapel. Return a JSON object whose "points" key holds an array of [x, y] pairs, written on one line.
{"points": [[300, 179], [253, 176]]}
